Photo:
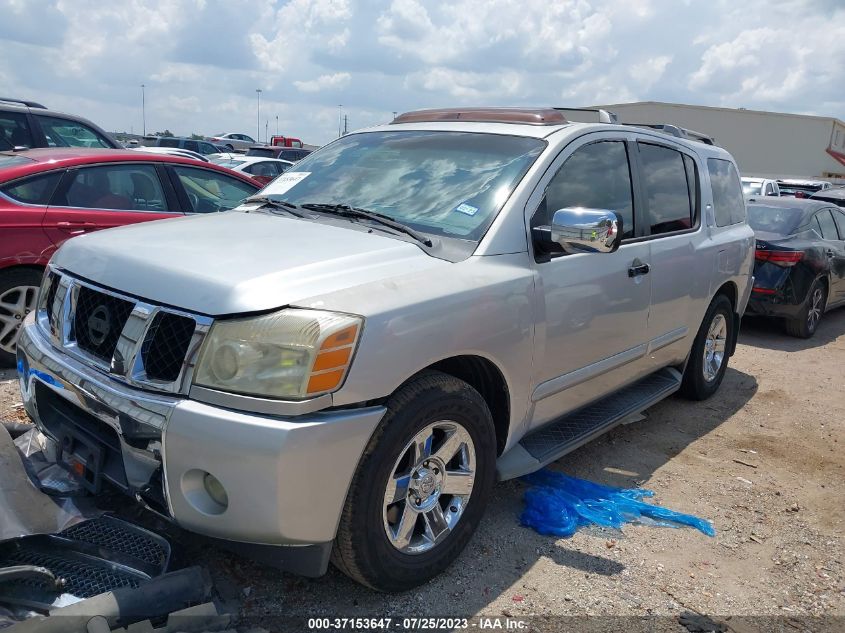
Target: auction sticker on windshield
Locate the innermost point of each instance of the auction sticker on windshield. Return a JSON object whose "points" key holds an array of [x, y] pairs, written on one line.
{"points": [[287, 181]]}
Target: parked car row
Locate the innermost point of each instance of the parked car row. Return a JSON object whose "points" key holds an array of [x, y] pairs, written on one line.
{"points": [[796, 188]]}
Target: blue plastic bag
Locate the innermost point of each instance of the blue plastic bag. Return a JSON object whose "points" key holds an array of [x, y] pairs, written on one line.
{"points": [[557, 505]]}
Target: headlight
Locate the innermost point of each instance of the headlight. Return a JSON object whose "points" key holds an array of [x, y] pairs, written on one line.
{"points": [[291, 354]]}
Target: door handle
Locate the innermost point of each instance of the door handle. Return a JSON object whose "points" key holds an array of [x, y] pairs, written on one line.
{"points": [[75, 227], [636, 271]]}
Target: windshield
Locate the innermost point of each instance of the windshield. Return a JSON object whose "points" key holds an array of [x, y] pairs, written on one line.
{"points": [[752, 188], [780, 220], [447, 183]]}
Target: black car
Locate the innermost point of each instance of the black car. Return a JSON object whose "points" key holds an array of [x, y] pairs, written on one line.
{"points": [[799, 272], [27, 124], [292, 154], [200, 147], [836, 196]]}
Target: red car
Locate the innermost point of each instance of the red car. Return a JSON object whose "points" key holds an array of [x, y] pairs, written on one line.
{"points": [[50, 195]]}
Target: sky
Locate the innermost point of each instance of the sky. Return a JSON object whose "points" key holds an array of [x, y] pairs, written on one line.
{"points": [[201, 61]]}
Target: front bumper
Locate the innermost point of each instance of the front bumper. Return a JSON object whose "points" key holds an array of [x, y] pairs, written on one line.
{"points": [[286, 479]]}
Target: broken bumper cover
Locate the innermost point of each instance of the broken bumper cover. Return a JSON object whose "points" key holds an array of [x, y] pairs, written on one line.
{"points": [[284, 481]]}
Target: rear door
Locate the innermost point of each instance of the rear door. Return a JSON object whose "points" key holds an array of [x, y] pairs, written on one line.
{"points": [[834, 248], [104, 196]]}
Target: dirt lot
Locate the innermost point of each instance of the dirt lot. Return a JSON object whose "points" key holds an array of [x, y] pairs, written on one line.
{"points": [[763, 460]]}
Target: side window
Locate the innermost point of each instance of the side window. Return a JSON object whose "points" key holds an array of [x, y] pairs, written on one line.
{"points": [[192, 146], [119, 187], [667, 189], [728, 202], [770, 191], [34, 190], [168, 142], [244, 137], [595, 176], [840, 223], [207, 148], [266, 168], [14, 131], [209, 191], [828, 228], [68, 133]]}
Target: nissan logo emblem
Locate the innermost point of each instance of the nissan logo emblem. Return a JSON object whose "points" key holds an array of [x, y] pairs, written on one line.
{"points": [[99, 325]]}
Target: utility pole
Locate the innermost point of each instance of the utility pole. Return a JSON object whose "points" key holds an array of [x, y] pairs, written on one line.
{"points": [[266, 127], [143, 109], [339, 119], [394, 114], [258, 115], [345, 125], [277, 125]]}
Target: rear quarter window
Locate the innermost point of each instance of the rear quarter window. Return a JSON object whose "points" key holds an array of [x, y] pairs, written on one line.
{"points": [[728, 201], [35, 189]]}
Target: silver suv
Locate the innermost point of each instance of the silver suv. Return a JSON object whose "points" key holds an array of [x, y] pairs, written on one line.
{"points": [[343, 367]]}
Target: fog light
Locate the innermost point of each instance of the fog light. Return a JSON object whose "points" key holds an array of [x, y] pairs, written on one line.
{"points": [[215, 489]]}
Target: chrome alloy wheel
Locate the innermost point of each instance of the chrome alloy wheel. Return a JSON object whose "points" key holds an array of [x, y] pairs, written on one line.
{"points": [[15, 304], [429, 487], [814, 314], [714, 347]]}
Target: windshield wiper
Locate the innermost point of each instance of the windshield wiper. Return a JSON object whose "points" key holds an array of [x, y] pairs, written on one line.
{"points": [[290, 207], [346, 211]]}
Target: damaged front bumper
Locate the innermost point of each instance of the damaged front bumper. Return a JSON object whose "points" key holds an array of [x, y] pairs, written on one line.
{"points": [[250, 480]]}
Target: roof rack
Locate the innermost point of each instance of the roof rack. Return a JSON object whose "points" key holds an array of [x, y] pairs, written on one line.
{"points": [[605, 116], [524, 116], [678, 132], [29, 104]]}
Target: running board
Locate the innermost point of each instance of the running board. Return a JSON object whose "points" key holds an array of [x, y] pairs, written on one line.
{"points": [[556, 439]]}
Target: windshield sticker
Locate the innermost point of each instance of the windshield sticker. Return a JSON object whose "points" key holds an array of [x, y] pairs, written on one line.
{"points": [[287, 181], [466, 209]]}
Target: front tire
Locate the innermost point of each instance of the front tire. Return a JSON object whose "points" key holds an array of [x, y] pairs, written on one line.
{"points": [[807, 322], [709, 357], [18, 295], [421, 487]]}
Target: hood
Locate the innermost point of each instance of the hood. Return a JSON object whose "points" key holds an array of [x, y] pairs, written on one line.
{"points": [[234, 262]]}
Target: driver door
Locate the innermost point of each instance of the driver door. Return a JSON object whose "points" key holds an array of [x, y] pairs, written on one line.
{"points": [[592, 330]]}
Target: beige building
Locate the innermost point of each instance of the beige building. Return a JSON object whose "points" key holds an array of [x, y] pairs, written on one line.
{"points": [[766, 144]]}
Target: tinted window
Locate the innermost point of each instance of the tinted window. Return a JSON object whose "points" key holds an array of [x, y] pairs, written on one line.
{"points": [[828, 227], [265, 168], [123, 187], [244, 137], [667, 189], [192, 146], [262, 151], [14, 131], [780, 220], [728, 202], [596, 176], [770, 190], [207, 148], [210, 192], [840, 223], [68, 133], [34, 190], [168, 142]]}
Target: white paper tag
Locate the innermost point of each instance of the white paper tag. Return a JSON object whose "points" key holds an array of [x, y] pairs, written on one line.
{"points": [[466, 209], [285, 182]]}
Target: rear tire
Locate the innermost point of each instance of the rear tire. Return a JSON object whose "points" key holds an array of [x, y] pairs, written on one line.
{"points": [[18, 294], [708, 359], [807, 321], [371, 546]]}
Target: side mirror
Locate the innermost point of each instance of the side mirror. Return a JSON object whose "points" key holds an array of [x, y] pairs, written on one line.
{"points": [[579, 230]]}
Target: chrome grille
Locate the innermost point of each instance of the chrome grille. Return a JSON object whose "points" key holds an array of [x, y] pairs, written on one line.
{"points": [[143, 344]]}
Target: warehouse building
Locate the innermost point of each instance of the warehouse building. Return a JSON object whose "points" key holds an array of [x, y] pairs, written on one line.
{"points": [[765, 144]]}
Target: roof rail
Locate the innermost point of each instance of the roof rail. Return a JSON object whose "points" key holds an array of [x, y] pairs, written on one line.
{"points": [[678, 132], [29, 104], [526, 116], [605, 116]]}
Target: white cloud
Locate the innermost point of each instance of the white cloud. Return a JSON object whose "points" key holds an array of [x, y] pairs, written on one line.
{"points": [[202, 60], [324, 82]]}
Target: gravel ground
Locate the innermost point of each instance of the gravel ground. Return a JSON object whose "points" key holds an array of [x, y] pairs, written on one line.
{"points": [[763, 460]]}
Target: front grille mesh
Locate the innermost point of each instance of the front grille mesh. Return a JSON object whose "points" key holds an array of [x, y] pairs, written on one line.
{"points": [[120, 537], [98, 321], [165, 346], [52, 288]]}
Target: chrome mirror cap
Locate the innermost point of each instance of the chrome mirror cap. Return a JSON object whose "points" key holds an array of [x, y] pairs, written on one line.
{"points": [[580, 230]]}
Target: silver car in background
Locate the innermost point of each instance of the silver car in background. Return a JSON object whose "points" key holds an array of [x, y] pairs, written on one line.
{"points": [[233, 141], [343, 367]]}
